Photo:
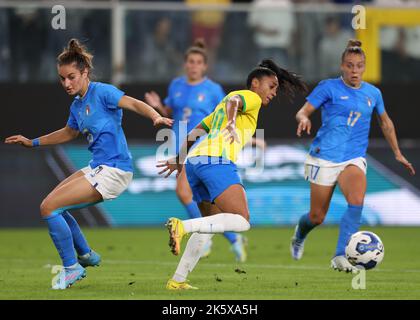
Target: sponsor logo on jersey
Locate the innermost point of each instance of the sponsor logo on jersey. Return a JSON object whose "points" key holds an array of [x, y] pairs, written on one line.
{"points": [[344, 97]]}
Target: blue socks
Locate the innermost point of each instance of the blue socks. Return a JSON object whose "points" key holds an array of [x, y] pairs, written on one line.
{"points": [[350, 223], [79, 239], [231, 236], [304, 227], [194, 212], [63, 240]]}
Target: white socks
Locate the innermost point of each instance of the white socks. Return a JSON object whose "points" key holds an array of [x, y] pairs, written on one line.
{"points": [[192, 254], [217, 223], [203, 230]]}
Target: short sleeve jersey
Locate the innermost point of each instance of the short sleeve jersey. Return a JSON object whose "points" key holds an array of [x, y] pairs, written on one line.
{"points": [[214, 144], [98, 117], [346, 116], [190, 104]]}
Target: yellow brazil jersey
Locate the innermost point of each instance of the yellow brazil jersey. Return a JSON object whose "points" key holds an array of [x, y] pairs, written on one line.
{"points": [[214, 144]]}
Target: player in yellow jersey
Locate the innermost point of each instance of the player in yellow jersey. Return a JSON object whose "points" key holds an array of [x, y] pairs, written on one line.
{"points": [[211, 169]]}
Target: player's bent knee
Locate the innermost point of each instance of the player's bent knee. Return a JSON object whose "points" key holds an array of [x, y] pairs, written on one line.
{"points": [[355, 200], [317, 219], [45, 208]]}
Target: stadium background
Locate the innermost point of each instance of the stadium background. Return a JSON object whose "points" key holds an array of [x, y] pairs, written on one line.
{"points": [[139, 47]]}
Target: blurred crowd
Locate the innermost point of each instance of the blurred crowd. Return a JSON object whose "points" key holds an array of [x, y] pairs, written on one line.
{"points": [[309, 42]]}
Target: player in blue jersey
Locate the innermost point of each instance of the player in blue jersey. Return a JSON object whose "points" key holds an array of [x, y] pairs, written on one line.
{"points": [[190, 99], [337, 154], [96, 113]]}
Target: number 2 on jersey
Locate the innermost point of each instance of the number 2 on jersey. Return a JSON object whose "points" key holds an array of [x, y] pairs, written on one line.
{"points": [[354, 115]]}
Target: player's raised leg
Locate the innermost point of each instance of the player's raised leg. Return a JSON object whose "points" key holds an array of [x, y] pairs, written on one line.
{"points": [[232, 199], [237, 240], [184, 193], [236, 219]]}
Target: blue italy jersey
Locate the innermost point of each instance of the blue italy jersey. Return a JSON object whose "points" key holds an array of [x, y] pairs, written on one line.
{"points": [[346, 117], [190, 104], [98, 117]]}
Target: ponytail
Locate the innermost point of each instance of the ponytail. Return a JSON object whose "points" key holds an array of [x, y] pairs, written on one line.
{"points": [[199, 46], [290, 82], [353, 46]]}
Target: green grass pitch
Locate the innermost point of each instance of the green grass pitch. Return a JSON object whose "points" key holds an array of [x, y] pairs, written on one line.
{"points": [[137, 263]]}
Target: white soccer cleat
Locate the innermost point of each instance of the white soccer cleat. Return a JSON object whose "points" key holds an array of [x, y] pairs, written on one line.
{"points": [[341, 263], [296, 246]]}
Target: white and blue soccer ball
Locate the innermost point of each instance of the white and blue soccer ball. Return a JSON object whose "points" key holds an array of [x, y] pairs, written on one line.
{"points": [[365, 249]]}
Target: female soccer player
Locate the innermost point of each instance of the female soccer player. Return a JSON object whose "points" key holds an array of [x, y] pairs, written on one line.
{"points": [[96, 113], [211, 169], [337, 154], [190, 99]]}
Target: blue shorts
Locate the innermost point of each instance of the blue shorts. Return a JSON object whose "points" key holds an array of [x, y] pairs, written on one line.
{"points": [[210, 176]]}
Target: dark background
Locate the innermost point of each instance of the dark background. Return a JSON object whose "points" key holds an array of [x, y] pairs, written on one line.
{"points": [[36, 109]]}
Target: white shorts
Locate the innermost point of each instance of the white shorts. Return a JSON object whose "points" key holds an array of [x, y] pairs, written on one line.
{"points": [[325, 173], [110, 182]]}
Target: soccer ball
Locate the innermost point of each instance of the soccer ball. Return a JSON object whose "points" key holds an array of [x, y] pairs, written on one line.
{"points": [[365, 249]]}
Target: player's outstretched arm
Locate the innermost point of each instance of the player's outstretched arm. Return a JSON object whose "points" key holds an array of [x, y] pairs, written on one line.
{"points": [[390, 135], [60, 136], [177, 163], [302, 118], [144, 110]]}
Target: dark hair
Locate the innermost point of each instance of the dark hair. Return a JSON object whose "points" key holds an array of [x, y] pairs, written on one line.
{"points": [[353, 46], [199, 46], [290, 82], [76, 53]]}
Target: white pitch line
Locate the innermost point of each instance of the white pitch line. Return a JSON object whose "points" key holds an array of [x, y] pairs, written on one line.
{"points": [[207, 264]]}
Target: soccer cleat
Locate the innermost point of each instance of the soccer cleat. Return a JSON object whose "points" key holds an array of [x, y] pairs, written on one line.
{"points": [[296, 246], [207, 249], [91, 259], [176, 233], [239, 248], [68, 276], [174, 285], [341, 263]]}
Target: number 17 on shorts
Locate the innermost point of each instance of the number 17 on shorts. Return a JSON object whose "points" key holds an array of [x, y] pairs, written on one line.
{"points": [[311, 172]]}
